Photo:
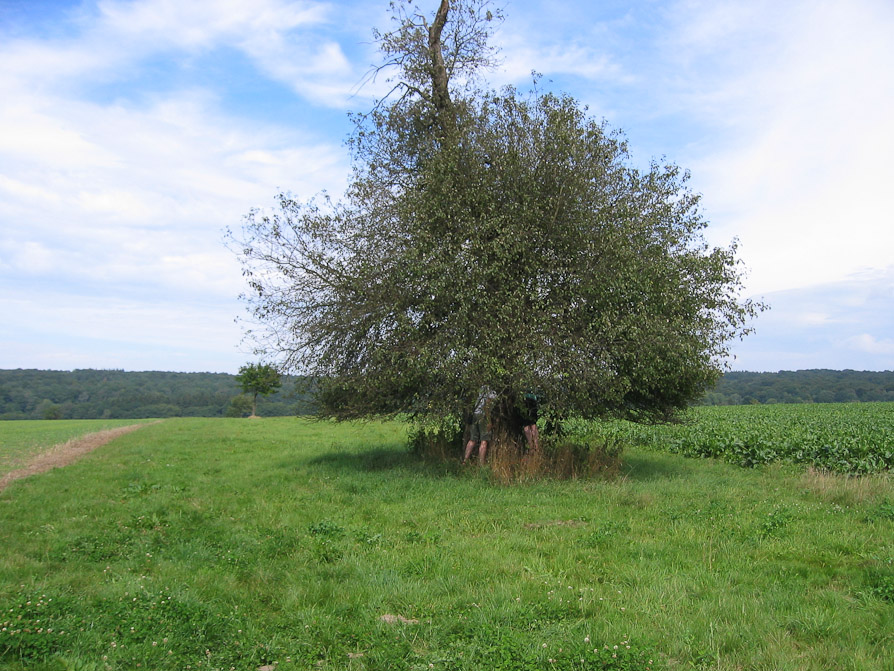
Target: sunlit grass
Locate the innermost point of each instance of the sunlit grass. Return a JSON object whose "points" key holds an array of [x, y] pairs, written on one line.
{"points": [[237, 543], [20, 440]]}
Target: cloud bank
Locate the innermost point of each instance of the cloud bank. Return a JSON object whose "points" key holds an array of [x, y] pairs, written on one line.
{"points": [[113, 206]]}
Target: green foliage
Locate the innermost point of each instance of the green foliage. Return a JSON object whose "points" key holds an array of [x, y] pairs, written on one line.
{"points": [[161, 630], [773, 523], [49, 410], [881, 583], [492, 238], [258, 379], [326, 528], [885, 511], [94, 394], [240, 406], [437, 438], [844, 438]]}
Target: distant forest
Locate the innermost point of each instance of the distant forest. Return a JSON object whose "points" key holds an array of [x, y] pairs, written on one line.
{"points": [[116, 394], [802, 386]]}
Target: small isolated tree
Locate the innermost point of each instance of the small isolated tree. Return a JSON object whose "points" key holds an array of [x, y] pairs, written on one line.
{"points": [[492, 239], [240, 406], [258, 379], [46, 409]]}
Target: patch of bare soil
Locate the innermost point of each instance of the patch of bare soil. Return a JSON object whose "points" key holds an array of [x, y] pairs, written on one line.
{"points": [[65, 453], [397, 619]]}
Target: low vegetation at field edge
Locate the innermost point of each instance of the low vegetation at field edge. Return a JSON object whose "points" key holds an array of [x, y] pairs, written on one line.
{"points": [[219, 544]]}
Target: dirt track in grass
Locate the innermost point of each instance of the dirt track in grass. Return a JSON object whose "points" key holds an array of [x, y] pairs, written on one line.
{"points": [[65, 453]]}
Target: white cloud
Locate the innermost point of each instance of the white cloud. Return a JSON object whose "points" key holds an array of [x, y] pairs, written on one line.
{"points": [[803, 134], [178, 166], [812, 318], [540, 40], [201, 23], [31, 257], [521, 56], [63, 331], [36, 128], [120, 205], [19, 189], [288, 41], [872, 345], [56, 63], [845, 324]]}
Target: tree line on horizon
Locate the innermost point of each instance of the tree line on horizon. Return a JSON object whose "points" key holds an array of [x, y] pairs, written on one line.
{"points": [[801, 386], [118, 394]]}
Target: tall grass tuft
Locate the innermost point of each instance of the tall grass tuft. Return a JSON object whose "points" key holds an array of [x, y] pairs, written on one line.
{"points": [[559, 457], [579, 454]]}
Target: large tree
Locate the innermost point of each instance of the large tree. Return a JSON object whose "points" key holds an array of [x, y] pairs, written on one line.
{"points": [[492, 239]]}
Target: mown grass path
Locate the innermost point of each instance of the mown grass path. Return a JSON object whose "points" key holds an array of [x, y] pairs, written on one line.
{"points": [[21, 440], [219, 544], [64, 454]]}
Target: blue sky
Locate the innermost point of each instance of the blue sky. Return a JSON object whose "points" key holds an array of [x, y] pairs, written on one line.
{"points": [[133, 132]]}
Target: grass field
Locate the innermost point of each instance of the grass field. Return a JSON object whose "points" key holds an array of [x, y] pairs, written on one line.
{"points": [[20, 440], [244, 544]]}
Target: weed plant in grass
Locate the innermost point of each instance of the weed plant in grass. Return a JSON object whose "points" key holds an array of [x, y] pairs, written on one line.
{"points": [[22, 439], [237, 544]]}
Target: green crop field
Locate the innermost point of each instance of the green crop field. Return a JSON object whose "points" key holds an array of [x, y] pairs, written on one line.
{"points": [[20, 440], [288, 544], [840, 437]]}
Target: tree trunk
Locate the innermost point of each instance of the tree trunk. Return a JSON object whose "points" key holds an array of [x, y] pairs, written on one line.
{"points": [[439, 76]]}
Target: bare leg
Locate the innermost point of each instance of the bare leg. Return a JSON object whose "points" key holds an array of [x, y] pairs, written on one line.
{"points": [[469, 447], [533, 437], [482, 452]]}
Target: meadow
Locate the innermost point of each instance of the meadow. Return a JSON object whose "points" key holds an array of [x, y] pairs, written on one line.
{"points": [[292, 544], [21, 440]]}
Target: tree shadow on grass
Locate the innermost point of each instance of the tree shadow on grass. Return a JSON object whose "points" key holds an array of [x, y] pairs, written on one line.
{"points": [[640, 466], [646, 466], [380, 459]]}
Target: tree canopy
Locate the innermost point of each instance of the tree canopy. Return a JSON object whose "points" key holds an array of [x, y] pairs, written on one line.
{"points": [[493, 239], [258, 379]]}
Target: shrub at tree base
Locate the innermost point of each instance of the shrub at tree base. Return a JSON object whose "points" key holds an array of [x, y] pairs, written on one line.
{"points": [[567, 456], [563, 457]]}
